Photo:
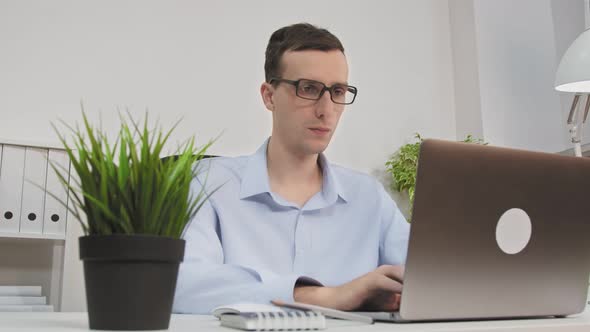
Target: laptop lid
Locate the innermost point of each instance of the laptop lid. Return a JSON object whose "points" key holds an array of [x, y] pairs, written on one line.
{"points": [[471, 254]]}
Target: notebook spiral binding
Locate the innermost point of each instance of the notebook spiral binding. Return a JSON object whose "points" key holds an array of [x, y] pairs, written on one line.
{"points": [[303, 320]]}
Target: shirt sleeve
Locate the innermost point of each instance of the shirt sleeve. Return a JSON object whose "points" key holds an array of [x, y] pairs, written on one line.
{"points": [[205, 282], [395, 232]]}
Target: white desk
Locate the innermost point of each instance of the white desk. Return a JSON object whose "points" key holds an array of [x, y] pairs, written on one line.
{"points": [[48, 321]]}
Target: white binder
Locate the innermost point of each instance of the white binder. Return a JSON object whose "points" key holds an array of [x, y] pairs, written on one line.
{"points": [[20, 291], [33, 198], [26, 308], [11, 186], [54, 221], [20, 300]]}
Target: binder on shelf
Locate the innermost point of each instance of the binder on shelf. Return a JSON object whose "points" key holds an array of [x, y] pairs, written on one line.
{"points": [[54, 221], [20, 290], [33, 197], [23, 298], [26, 308], [20, 300], [11, 185]]}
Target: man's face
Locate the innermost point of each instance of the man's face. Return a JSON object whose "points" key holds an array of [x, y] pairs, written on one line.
{"points": [[306, 126]]}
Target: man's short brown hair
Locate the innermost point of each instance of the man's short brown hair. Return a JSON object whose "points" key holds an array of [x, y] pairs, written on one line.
{"points": [[296, 37]]}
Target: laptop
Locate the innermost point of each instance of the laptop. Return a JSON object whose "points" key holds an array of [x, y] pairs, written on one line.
{"points": [[496, 233]]}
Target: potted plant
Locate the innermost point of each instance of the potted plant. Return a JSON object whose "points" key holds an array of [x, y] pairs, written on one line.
{"points": [[136, 207], [403, 166]]}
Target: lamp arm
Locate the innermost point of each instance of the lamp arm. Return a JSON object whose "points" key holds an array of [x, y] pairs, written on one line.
{"points": [[573, 110], [575, 122], [586, 108]]}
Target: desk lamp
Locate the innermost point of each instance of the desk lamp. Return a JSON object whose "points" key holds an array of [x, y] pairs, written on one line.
{"points": [[573, 75]]}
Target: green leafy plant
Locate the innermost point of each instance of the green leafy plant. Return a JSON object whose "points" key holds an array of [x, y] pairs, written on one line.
{"points": [[124, 187], [403, 165]]}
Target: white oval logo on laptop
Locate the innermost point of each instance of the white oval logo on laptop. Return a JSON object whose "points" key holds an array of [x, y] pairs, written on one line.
{"points": [[513, 231]]}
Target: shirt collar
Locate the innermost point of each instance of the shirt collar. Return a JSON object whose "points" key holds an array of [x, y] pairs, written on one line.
{"points": [[331, 188], [255, 179]]}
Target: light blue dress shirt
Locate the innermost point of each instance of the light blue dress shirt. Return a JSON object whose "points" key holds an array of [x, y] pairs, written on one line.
{"points": [[247, 244]]}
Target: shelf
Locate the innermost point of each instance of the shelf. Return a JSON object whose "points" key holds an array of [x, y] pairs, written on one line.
{"points": [[570, 152], [32, 236], [25, 143]]}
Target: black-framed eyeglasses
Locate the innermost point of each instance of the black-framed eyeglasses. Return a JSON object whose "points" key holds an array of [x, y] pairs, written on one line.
{"points": [[313, 90]]}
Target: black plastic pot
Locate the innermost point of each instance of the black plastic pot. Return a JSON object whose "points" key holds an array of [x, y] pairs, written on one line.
{"points": [[130, 280]]}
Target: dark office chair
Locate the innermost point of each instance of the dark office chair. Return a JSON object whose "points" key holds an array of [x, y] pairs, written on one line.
{"points": [[175, 157]]}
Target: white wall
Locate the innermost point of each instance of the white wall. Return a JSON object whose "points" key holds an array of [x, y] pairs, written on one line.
{"points": [[518, 45], [203, 60], [517, 69], [465, 69]]}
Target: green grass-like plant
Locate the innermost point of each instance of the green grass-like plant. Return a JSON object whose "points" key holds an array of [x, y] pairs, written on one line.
{"points": [[403, 166], [124, 187]]}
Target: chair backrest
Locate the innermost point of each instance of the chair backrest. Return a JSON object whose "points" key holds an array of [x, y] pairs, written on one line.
{"points": [[175, 157]]}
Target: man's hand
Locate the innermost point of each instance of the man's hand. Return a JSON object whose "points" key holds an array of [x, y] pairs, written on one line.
{"points": [[378, 290]]}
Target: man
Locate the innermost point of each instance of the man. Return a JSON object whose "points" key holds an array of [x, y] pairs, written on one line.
{"points": [[285, 224]]}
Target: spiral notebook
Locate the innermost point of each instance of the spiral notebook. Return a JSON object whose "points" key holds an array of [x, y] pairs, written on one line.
{"points": [[253, 317]]}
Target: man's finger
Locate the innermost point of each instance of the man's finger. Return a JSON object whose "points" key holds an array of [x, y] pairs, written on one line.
{"points": [[395, 272], [384, 301], [388, 284]]}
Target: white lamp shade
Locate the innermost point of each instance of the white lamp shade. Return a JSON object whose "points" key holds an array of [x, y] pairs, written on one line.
{"points": [[573, 73]]}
